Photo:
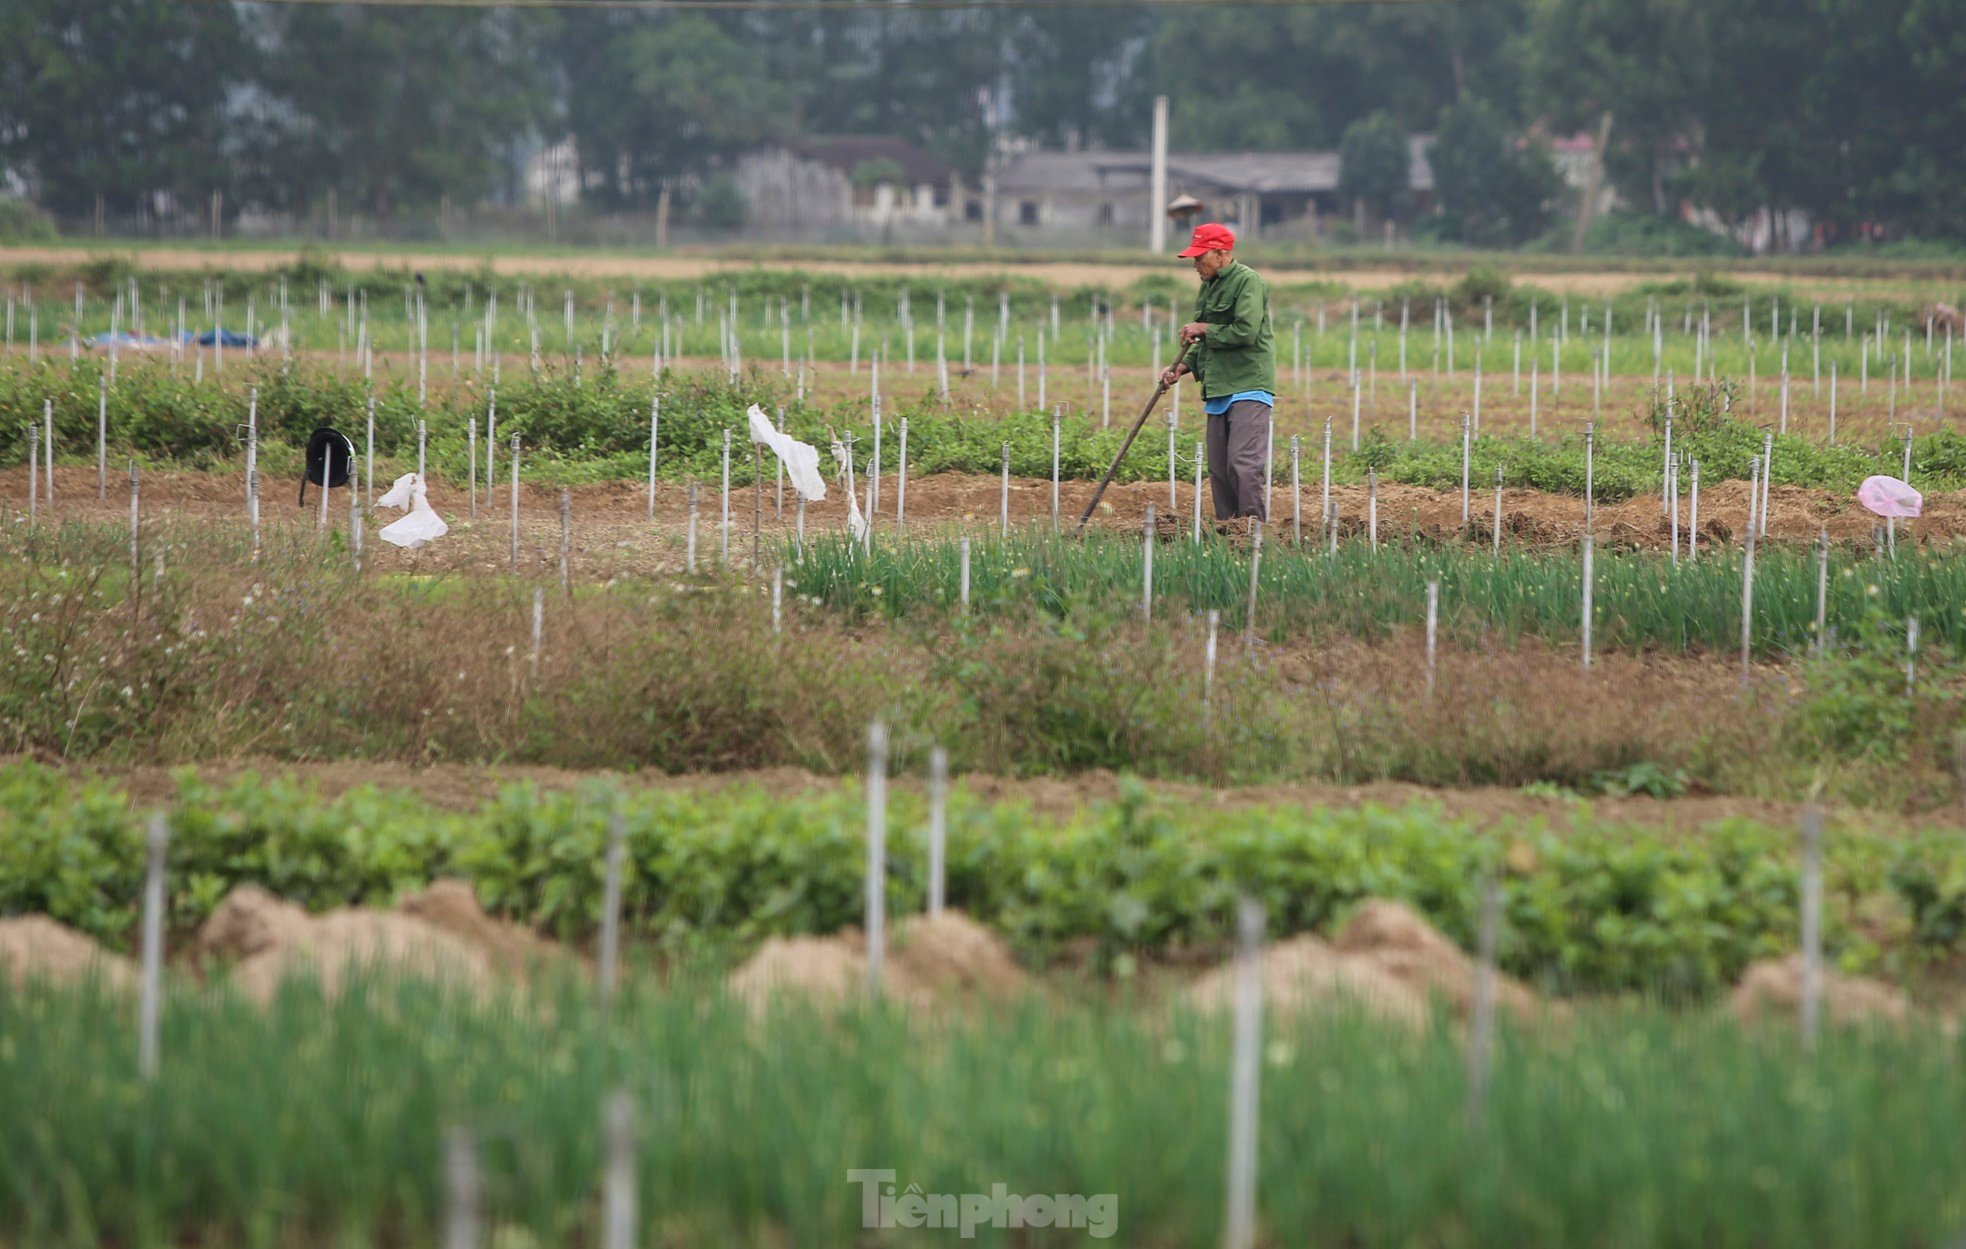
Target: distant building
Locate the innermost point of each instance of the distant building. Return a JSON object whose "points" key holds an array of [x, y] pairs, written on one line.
{"points": [[851, 184], [1575, 157], [551, 175], [1284, 193]]}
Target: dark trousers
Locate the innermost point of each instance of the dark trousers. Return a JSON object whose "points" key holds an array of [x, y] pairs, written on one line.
{"points": [[1238, 450]]}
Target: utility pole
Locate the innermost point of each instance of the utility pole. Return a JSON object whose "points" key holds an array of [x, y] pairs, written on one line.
{"points": [[1157, 209]]}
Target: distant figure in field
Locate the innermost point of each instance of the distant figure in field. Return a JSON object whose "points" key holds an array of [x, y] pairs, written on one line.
{"points": [[1231, 352]]}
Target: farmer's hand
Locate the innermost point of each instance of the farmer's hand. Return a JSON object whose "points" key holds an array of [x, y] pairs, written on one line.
{"points": [[1193, 331], [1172, 374]]}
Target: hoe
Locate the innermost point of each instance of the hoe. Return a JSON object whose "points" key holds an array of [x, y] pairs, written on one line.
{"points": [[1131, 434]]}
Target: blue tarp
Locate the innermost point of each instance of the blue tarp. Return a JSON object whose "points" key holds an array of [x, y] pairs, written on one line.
{"points": [[231, 338]]}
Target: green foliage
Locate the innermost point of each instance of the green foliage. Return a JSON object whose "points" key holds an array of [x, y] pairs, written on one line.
{"points": [[120, 99], [663, 101], [1492, 190], [1374, 164], [1645, 779], [1592, 905], [720, 204], [430, 118], [1859, 704], [21, 222], [1729, 106], [1481, 284], [592, 423], [1643, 234]]}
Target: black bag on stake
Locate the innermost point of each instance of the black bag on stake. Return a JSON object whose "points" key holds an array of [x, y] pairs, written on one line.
{"points": [[330, 460]]}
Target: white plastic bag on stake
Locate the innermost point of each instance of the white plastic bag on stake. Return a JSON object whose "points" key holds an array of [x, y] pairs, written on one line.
{"points": [[422, 525], [856, 521], [801, 461]]}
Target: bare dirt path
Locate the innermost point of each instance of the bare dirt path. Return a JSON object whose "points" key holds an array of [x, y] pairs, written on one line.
{"points": [[612, 533], [464, 787]]}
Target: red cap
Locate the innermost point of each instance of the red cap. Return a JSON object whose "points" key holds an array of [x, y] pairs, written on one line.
{"points": [[1209, 237]]}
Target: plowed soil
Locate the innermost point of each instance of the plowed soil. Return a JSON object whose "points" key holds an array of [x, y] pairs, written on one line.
{"points": [[465, 787], [612, 534]]}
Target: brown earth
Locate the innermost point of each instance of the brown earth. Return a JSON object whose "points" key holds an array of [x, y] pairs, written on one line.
{"points": [[1390, 938], [453, 907], [1386, 961], [34, 947], [611, 534], [267, 941], [1772, 990], [1305, 974], [929, 958]]}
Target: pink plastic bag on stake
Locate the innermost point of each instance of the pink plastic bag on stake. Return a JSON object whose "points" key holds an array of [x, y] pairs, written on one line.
{"points": [[1889, 497]]}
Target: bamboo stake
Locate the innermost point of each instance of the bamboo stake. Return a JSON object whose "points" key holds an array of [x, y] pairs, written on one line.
{"points": [[1244, 1079], [875, 925]]}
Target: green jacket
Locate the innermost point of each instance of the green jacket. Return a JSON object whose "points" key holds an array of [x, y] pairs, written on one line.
{"points": [[1239, 352]]}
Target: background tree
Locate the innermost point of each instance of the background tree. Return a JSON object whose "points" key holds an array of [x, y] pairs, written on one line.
{"points": [[394, 107], [1646, 62], [1493, 189], [1076, 76], [118, 98], [1374, 169], [1846, 110]]}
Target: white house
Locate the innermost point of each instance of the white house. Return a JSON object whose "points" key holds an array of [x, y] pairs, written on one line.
{"points": [[1259, 193], [851, 183]]}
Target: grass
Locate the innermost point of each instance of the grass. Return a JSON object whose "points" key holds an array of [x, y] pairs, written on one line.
{"points": [[294, 656], [1643, 600], [322, 1124]]}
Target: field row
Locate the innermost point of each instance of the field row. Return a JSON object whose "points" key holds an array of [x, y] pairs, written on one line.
{"points": [[452, 309], [1626, 1126], [608, 427], [453, 343], [1633, 601], [295, 655], [1592, 905]]}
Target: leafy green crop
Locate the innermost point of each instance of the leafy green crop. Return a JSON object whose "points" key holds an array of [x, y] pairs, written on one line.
{"points": [[593, 423], [1592, 905]]}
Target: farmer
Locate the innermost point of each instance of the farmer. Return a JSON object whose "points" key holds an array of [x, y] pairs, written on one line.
{"points": [[1231, 352]]}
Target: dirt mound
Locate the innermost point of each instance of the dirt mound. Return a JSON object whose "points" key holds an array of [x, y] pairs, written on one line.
{"points": [[248, 921], [34, 947], [823, 970], [451, 906], [273, 940], [953, 953], [1387, 960], [1397, 943], [1773, 989], [948, 956], [1306, 974]]}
